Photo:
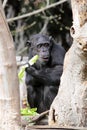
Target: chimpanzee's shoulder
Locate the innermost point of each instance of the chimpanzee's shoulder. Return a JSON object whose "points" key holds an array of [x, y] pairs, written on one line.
{"points": [[57, 54]]}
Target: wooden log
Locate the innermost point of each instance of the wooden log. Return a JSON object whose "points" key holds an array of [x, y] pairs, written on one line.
{"points": [[69, 108], [46, 127], [38, 119]]}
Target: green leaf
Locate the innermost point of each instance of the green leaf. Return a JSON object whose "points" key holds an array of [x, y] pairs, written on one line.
{"points": [[31, 62], [27, 111]]}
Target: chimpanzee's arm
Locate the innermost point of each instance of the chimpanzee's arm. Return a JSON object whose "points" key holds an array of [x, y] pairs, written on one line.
{"points": [[29, 80], [49, 76]]}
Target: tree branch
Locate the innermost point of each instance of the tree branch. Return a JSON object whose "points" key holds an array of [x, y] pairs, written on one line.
{"points": [[4, 3], [36, 11], [44, 28]]}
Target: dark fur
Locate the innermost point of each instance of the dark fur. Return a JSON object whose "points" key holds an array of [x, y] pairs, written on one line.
{"points": [[43, 78]]}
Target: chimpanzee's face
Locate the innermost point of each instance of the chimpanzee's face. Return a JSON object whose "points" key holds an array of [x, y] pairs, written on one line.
{"points": [[41, 46], [43, 50]]}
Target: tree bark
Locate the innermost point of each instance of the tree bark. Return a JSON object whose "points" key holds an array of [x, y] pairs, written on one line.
{"points": [[69, 108], [9, 86]]}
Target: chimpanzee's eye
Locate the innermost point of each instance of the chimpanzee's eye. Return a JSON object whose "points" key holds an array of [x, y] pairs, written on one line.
{"points": [[46, 44], [39, 46]]}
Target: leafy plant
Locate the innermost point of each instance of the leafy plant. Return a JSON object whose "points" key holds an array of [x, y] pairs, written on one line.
{"points": [[31, 62], [28, 112]]}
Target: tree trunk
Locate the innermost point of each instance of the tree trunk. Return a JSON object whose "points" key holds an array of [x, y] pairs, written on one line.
{"points": [[9, 86], [69, 108]]}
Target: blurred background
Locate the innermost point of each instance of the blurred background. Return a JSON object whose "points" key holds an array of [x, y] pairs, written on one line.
{"points": [[55, 21]]}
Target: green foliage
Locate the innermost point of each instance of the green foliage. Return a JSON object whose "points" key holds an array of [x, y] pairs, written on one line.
{"points": [[28, 112], [31, 62], [21, 72]]}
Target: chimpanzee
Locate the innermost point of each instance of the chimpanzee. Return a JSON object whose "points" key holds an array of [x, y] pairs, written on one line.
{"points": [[43, 78]]}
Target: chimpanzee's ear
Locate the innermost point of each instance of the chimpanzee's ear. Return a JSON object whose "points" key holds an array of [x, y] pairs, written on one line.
{"points": [[51, 39], [28, 43]]}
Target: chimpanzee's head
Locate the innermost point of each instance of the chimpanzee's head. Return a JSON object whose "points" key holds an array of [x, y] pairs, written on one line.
{"points": [[41, 46]]}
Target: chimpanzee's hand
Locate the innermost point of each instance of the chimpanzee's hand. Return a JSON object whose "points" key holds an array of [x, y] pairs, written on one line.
{"points": [[31, 70]]}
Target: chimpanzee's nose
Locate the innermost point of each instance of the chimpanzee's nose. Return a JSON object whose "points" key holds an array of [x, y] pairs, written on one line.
{"points": [[44, 49]]}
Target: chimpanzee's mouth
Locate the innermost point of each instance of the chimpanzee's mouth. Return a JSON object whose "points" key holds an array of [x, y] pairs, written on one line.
{"points": [[45, 58]]}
